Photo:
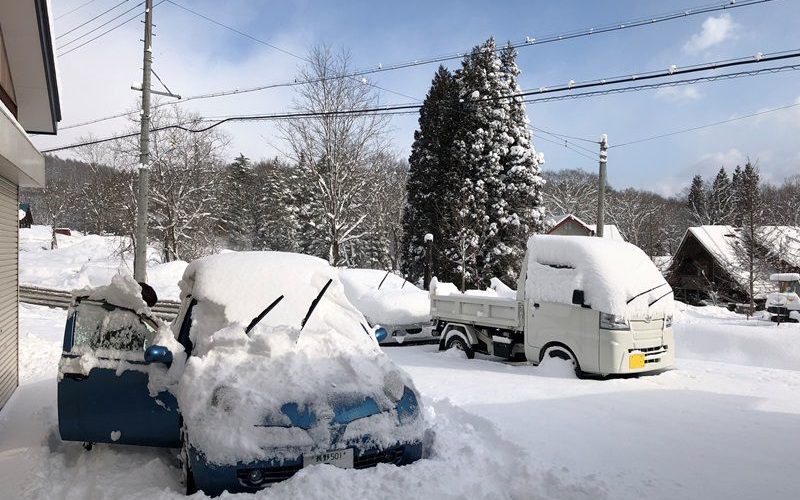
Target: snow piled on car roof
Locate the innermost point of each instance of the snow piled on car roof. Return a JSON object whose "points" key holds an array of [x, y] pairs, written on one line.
{"points": [[616, 277], [386, 298]]}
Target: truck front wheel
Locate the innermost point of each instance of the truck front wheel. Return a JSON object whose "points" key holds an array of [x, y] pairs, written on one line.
{"points": [[457, 342], [559, 352]]}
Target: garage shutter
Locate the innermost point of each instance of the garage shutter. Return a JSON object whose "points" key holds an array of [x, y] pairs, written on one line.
{"points": [[9, 235]]}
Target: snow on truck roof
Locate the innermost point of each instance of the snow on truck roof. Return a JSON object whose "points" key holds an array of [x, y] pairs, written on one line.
{"points": [[784, 277], [616, 277], [243, 284]]}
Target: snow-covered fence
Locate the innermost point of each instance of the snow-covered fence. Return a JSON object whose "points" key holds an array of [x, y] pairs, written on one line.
{"points": [[165, 309]]}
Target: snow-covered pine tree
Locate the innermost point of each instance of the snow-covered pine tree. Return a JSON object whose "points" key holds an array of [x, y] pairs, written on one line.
{"points": [[277, 210], [696, 201], [518, 211], [433, 183], [718, 204], [481, 141], [241, 204]]}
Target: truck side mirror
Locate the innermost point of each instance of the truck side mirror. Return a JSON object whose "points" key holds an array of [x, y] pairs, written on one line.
{"points": [[577, 297]]}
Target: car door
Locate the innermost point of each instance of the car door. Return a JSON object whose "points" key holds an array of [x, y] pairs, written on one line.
{"points": [[102, 388]]}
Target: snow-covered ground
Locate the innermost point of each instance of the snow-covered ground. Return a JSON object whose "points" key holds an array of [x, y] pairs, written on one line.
{"points": [[712, 428], [87, 261], [722, 425]]}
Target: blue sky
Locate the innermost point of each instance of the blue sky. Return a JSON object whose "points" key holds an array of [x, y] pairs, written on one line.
{"points": [[194, 56]]}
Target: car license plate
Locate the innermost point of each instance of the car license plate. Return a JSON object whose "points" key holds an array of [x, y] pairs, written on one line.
{"points": [[338, 458], [636, 361]]}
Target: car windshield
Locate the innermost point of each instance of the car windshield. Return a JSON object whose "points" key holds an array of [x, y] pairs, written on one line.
{"points": [[103, 326]]}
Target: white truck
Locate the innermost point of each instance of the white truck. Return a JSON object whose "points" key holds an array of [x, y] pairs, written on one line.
{"points": [[601, 304]]}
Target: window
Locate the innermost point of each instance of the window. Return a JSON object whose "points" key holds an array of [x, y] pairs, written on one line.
{"points": [[103, 326]]}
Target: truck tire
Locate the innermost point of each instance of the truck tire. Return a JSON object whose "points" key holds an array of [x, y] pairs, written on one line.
{"points": [[564, 353], [457, 342]]}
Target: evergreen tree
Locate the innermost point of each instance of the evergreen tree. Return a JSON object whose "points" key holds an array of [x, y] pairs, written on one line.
{"points": [[718, 205], [241, 204], [736, 186], [518, 211], [481, 142], [749, 209], [696, 201], [432, 181]]}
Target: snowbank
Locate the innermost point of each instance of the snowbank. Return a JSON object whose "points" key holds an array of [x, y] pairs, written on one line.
{"points": [[616, 277], [716, 334], [82, 261], [396, 302]]}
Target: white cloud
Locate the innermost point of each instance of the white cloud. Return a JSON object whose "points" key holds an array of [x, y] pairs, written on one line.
{"points": [[687, 93], [715, 30]]}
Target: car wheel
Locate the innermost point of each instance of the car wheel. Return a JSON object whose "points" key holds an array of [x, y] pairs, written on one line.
{"points": [[557, 352], [458, 343], [186, 467]]}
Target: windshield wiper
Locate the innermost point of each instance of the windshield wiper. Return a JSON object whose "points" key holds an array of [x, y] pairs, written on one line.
{"points": [[261, 316], [651, 303], [646, 291], [315, 302]]}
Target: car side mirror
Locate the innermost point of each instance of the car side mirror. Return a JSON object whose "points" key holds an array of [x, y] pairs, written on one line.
{"points": [[158, 354], [381, 334], [577, 297]]}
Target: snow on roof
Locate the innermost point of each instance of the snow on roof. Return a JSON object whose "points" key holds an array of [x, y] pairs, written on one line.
{"points": [[616, 277], [721, 242], [784, 277], [610, 231]]}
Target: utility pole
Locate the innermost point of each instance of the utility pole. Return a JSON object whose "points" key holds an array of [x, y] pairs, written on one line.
{"points": [[601, 191], [140, 243]]}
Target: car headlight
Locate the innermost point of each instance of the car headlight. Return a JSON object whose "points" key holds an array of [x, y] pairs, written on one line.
{"points": [[668, 321], [407, 407], [613, 322]]}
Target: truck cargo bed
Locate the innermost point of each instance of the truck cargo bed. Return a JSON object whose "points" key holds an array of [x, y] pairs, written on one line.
{"points": [[494, 312]]}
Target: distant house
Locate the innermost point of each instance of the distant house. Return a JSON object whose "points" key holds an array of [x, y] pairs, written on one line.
{"points": [[569, 225], [28, 104], [710, 262]]}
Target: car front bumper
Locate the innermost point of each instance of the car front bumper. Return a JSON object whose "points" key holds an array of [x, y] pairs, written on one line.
{"points": [[214, 479]]}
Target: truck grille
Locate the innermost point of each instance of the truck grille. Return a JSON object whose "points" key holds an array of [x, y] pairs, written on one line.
{"points": [[651, 354]]}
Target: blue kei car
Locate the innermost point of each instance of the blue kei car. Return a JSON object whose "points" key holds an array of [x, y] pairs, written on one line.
{"points": [[267, 369]]}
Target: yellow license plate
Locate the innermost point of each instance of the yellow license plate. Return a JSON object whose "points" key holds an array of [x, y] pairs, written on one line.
{"points": [[636, 361]]}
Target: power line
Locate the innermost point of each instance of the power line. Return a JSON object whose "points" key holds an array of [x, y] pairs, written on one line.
{"points": [[708, 125], [272, 46], [75, 9], [566, 146], [90, 20], [408, 107], [651, 86], [103, 25], [380, 68], [108, 30]]}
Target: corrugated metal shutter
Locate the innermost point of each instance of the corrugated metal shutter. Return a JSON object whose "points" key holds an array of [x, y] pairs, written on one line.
{"points": [[9, 267]]}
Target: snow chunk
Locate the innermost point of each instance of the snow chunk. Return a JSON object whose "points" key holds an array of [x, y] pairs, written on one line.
{"points": [[115, 435], [123, 291], [610, 273]]}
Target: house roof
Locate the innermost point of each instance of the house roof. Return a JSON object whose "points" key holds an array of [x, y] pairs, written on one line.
{"points": [[610, 231], [29, 45], [720, 242]]}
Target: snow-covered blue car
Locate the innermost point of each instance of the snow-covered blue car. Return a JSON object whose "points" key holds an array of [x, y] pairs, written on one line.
{"points": [[266, 370]]}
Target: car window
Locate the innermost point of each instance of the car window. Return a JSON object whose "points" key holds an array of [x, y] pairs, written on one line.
{"points": [[100, 326]]}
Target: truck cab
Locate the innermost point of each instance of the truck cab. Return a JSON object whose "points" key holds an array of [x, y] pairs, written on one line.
{"points": [[601, 304]]}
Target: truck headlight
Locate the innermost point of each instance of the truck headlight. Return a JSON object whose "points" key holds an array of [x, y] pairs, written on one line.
{"points": [[668, 321], [613, 322]]}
